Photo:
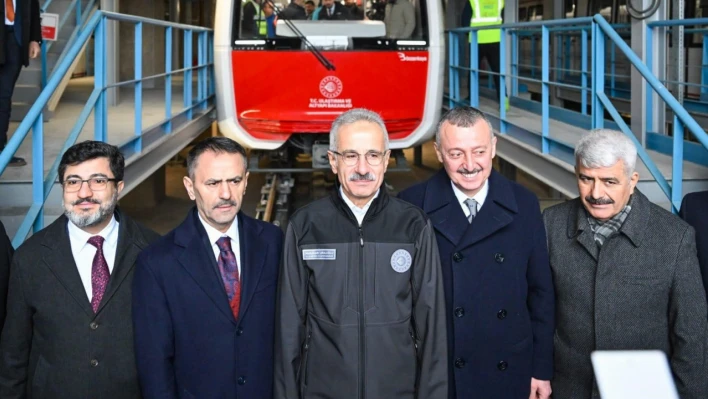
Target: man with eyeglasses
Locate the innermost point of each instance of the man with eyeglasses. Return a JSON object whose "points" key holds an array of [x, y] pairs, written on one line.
{"points": [[68, 331], [360, 306], [498, 288]]}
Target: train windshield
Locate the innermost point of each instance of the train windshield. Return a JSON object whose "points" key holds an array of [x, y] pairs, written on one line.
{"points": [[394, 19]]}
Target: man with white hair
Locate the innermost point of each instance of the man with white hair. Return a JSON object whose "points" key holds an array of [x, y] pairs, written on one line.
{"points": [[626, 274], [361, 310]]}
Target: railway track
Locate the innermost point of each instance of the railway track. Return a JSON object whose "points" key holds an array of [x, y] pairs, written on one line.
{"points": [[283, 193]]}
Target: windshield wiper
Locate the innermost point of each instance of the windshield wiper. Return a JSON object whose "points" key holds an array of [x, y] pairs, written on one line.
{"points": [[314, 50]]}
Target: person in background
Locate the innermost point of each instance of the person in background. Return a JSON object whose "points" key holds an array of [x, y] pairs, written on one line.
{"points": [[20, 39], [270, 18], [294, 11], [309, 8], [694, 210], [6, 251], [399, 19], [355, 12]]}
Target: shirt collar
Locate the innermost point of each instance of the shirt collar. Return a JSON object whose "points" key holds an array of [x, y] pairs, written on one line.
{"points": [[79, 238], [353, 207], [215, 234], [480, 197]]}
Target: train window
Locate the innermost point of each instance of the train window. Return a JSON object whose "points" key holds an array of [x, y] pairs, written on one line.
{"points": [[248, 15], [602, 7], [570, 8], [523, 15]]}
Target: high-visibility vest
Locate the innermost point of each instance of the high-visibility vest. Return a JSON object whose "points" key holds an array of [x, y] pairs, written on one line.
{"points": [[485, 13], [258, 18]]}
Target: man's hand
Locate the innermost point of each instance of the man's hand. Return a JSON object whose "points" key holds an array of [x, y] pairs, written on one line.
{"points": [[34, 49], [540, 389]]}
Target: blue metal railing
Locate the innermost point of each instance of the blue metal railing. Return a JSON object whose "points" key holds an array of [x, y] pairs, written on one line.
{"points": [[81, 16], [96, 26], [593, 84]]}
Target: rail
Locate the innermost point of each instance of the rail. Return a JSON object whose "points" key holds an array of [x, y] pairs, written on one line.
{"points": [[81, 17], [595, 33], [97, 104]]}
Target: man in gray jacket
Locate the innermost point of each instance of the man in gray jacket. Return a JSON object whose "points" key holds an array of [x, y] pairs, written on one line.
{"points": [[626, 274], [399, 19], [360, 310]]}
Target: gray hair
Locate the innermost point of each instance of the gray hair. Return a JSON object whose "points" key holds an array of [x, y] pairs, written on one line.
{"points": [[462, 117], [351, 117], [602, 148]]}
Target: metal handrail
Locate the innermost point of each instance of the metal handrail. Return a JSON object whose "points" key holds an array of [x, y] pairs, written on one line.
{"points": [[41, 185]]}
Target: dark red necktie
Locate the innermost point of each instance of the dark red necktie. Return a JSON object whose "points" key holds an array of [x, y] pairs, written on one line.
{"points": [[229, 274], [99, 272]]}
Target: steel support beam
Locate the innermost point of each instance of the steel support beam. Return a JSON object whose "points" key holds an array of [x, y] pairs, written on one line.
{"points": [[647, 112]]}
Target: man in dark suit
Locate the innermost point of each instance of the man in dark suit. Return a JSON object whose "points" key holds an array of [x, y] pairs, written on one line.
{"points": [[694, 210], [497, 279], [204, 295], [333, 11], [68, 331], [19, 41], [6, 252], [625, 273]]}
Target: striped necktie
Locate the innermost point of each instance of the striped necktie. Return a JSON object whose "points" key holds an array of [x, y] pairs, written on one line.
{"points": [[472, 205]]}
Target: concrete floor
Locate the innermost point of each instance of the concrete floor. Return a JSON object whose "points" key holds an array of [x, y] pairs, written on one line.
{"points": [[174, 207]]}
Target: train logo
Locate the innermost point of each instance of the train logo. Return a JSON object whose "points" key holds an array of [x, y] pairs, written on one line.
{"points": [[331, 87], [408, 58]]}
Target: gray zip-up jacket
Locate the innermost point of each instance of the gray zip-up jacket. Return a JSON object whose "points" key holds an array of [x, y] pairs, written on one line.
{"points": [[360, 310]]}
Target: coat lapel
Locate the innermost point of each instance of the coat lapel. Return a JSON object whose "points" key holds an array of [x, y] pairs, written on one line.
{"points": [[130, 243], [253, 250], [442, 208], [496, 212], [579, 228], [57, 255], [199, 261]]}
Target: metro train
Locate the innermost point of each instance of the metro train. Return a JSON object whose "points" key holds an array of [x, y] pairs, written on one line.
{"points": [[279, 96]]}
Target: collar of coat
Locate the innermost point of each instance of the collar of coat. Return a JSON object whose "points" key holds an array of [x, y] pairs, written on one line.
{"points": [[633, 227], [377, 205], [439, 193]]}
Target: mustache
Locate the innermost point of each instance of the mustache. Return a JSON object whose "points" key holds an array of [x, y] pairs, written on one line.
{"points": [[90, 200], [225, 202], [357, 176], [464, 170], [599, 201]]}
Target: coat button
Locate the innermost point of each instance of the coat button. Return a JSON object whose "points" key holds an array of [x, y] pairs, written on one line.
{"points": [[242, 380], [93, 325], [457, 257], [459, 362], [502, 365], [239, 332], [501, 315], [459, 311], [94, 362], [499, 257]]}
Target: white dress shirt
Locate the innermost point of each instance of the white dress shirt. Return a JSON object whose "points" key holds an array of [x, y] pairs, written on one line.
{"points": [[232, 233], [359, 213], [480, 197], [14, 4], [84, 252]]}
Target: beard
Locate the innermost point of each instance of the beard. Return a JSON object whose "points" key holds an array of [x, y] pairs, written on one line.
{"points": [[88, 219]]}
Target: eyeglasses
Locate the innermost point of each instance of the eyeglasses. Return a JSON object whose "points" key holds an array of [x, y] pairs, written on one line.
{"points": [[351, 158], [95, 184]]}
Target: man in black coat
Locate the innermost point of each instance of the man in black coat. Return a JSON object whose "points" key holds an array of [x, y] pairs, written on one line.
{"points": [[69, 331], [332, 11], [19, 41], [694, 210], [6, 252]]}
